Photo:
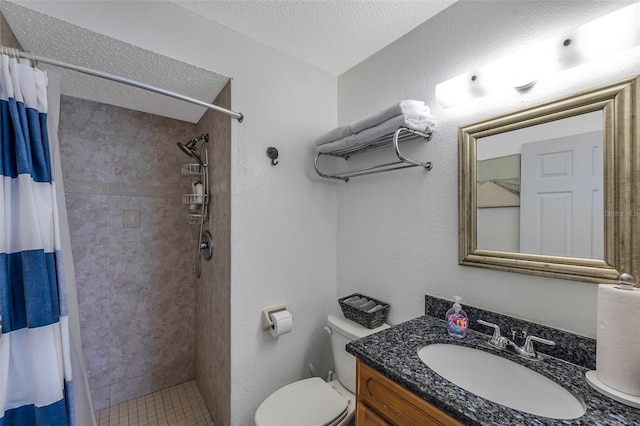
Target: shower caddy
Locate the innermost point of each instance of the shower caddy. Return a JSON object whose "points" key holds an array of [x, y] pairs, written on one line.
{"points": [[198, 199], [390, 139], [195, 198]]}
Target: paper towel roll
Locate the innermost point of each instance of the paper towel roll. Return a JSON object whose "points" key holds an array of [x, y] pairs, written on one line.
{"points": [[618, 345], [282, 323]]}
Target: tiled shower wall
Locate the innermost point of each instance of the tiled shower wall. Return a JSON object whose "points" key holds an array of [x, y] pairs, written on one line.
{"points": [[213, 291], [132, 247]]}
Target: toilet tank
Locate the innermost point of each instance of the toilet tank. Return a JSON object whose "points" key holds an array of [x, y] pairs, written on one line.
{"points": [[343, 331]]}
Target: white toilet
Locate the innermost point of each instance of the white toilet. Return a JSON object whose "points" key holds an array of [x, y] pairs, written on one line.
{"points": [[314, 402]]}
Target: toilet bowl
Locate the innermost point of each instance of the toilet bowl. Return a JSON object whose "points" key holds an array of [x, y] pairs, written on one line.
{"points": [[314, 402], [307, 402]]}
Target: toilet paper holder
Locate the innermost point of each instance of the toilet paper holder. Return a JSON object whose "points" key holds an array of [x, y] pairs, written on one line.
{"points": [[266, 320]]}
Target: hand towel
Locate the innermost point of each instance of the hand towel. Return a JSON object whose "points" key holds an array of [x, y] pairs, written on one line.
{"points": [[406, 106]]}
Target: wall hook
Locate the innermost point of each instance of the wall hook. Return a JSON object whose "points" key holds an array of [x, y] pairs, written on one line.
{"points": [[273, 154]]}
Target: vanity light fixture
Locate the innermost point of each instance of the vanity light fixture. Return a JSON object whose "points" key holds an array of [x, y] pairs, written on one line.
{"points": [[615, 32]]}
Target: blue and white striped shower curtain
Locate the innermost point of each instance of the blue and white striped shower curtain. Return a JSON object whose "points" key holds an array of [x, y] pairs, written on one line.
{"points": [[35, 355]]}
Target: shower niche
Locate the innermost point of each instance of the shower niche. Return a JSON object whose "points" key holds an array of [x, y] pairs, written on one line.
{"points": [[198, 198]]}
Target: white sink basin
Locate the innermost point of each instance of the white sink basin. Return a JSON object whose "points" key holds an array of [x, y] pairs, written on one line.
{"points": [[501, 381]]}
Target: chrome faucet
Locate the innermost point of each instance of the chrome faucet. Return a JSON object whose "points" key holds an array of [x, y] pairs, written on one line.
{"points": [[526, 351]]}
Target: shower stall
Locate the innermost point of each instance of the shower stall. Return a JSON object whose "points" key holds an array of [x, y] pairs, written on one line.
{"points": [[147, 322]]}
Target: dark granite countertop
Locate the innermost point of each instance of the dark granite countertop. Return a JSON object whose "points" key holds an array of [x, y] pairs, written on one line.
{"points": [[394, 353]]}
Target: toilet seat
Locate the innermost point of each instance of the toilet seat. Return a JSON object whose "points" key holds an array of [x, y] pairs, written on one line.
{"points": [[309, 402]]}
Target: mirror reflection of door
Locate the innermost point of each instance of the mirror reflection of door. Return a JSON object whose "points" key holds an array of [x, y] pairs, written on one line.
{"points": [[562, 197], [547, 223]]}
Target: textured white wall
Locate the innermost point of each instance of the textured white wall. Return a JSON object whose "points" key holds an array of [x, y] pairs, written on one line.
{"points": [[398, 232], [283, 220]]}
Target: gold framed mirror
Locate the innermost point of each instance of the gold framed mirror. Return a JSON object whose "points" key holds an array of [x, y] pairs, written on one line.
{"points": [[552, 190]]}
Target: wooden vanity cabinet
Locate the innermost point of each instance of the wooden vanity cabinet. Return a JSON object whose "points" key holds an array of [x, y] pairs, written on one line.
{"points": [[382, 402]]}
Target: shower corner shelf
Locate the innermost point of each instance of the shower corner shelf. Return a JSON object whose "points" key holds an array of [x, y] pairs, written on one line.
{"points": [[196, 219], [195, 198], [191, 170], [391, 139]]}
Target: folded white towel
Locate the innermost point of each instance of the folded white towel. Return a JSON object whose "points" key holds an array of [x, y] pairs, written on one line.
{"points": [[339, 144], [406, 106], [334, 135], [414, 122]]}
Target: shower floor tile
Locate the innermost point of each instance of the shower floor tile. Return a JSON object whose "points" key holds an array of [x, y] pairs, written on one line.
{"points": [[180, 405]]}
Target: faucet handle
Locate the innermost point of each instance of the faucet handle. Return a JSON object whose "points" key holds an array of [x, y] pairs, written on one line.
{"points": [[496, 340], [528, 345], [518, 336]]}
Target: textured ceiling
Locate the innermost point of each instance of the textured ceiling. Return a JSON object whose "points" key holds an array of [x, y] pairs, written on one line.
{"points": [[334, 35], [52, 38]]}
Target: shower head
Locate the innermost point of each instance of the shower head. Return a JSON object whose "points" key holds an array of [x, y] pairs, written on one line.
{"points": [[190, 149], [184, 149]]}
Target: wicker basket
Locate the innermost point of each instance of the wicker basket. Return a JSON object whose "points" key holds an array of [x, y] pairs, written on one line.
{"points": [[361, 316]]}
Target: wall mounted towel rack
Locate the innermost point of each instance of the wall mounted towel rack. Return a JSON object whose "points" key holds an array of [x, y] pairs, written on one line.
{"points": [[391, 139]]}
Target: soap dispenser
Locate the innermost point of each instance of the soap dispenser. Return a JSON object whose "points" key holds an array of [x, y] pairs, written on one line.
{"points": [[457, 320]]}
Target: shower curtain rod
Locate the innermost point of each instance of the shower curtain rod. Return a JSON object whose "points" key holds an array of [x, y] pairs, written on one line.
{"points": [[238, 116]]}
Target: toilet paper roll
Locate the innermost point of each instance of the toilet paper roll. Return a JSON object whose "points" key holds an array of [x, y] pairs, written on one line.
{"points": [[282, 323], [618, 344]]}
